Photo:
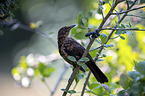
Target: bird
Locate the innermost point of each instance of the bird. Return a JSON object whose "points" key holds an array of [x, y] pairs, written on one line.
{"points": [[68, 46]]}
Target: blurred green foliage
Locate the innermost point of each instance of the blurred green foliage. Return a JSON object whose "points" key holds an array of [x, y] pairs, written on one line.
{"points": [[117, 59]]}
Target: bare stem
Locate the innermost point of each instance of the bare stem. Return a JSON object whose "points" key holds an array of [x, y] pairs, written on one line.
{"points": [[136, 16], [100, 27], [71, 79], [131, 29], [83, 91], [128, 10]]}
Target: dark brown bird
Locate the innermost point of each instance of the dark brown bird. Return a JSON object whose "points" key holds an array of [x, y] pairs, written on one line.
{"points": [[69, 47]]}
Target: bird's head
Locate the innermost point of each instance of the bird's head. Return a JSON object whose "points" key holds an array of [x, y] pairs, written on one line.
{"points": [[64, 31]]}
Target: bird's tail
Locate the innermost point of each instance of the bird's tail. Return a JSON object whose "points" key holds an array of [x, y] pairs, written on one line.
{"points": [[99, 75]]}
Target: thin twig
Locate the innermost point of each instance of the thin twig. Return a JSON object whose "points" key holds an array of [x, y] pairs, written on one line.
{"points": [[59, 79], [71, 79], [21, 26], [128, 10], [100, 27], [131, 29], [136, 16], [127, 4], [83, 91], [95, 49], [92, 40]]}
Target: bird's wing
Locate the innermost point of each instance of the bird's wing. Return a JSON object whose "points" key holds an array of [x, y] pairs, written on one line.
{"points": [[73, 48]]}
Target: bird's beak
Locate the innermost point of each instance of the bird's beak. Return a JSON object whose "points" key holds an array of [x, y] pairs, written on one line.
{"points": [[72, 26]]}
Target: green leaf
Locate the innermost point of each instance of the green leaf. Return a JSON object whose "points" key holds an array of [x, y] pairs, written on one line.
{"points": [[76, 79], [124, 81], [72, 91], [84, 59], [140, 67], [79, 19], [92, 92], [133, 74], [122, 26], [136, 28], [118, 32], [79, 33], [122, 93], [100, 59], [44, 70], [118, 25], [71, 58], [63, 89], [106, 87], [41, 67], [85, 22], [98, 41], [103, 37], [128, 26], [48, 71], [95, 85], [123, 38], [81, 75], [108, 45], [127, 32], [104, 55]]}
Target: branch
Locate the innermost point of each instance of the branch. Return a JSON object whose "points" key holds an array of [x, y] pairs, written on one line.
{"points": [[85, 84], [127, 4], [136, 16], [71, 79], [131, 29], [92, 40], [128, 10], [100, 27]]}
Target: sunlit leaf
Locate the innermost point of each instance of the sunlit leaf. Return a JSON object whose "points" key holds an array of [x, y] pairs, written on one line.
{"points": [[47, 72], [15, 70], [85, 22], [103, 37], [41, 67], [95, 85], [23, 62]]}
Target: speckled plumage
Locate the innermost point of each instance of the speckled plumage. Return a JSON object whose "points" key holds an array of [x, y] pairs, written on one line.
{"points": [[69, 47]]}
